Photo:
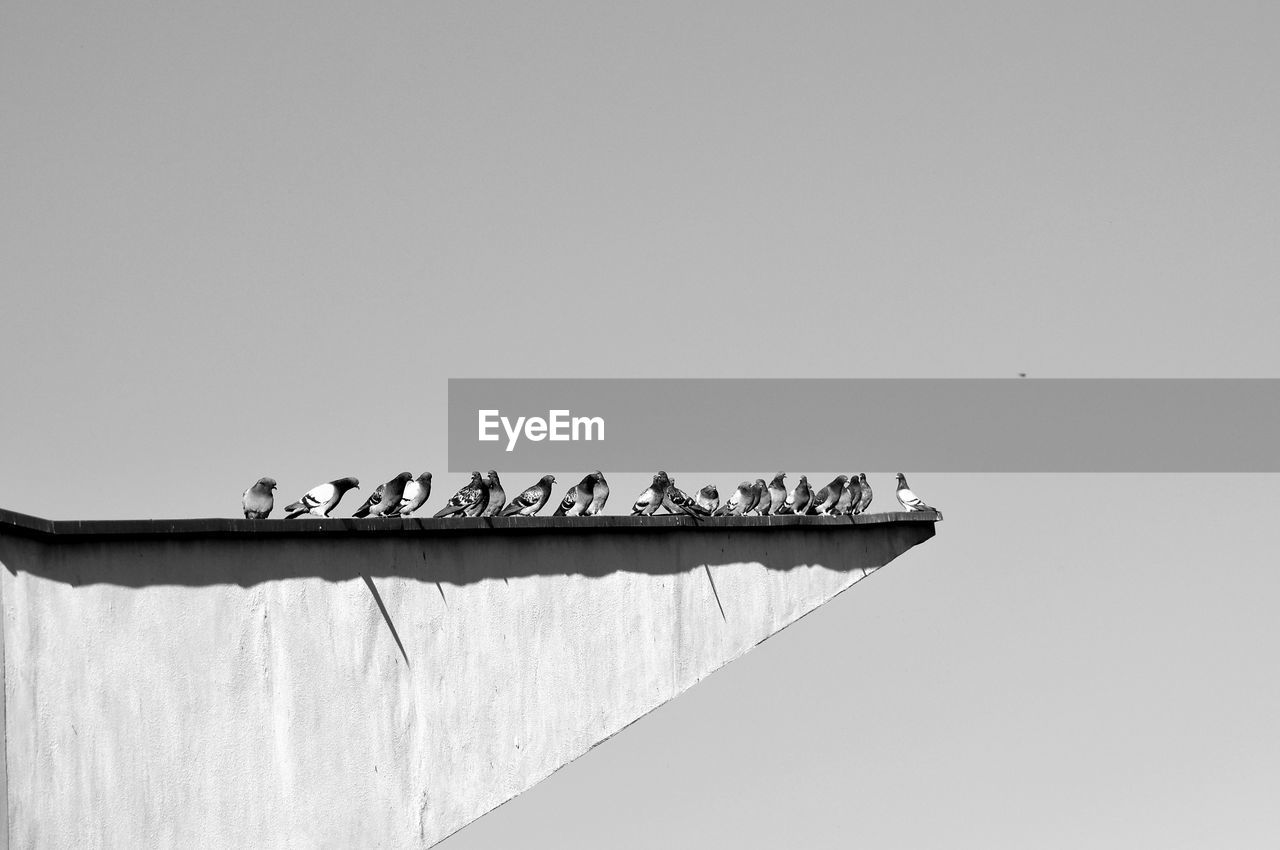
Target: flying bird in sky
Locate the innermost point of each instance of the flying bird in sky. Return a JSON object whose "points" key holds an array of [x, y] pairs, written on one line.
{"points": [[375, 498], [777, 494], [497, 496], [392, 495], [651, 499], [579, 497], [532, 499], [469, 501], [322, 498], [258, 500], [708, 499], [416, 493], [864, 500], [599, 495], [910, 500]]}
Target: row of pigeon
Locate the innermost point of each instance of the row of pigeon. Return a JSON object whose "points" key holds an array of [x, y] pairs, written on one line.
{"points": [[846, 495]]}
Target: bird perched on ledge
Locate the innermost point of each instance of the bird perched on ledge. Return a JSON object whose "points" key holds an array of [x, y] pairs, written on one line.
{"points": [[375, 498], [742, 500], [825, 500], [708, 500], [579, 497], [416, 493], [677, 501], [322, 498], [532, 499], [853, 494], [777, 494], [864, 499], [910, 500], [651, 499], [392, 495], [258, 500], [497, 496], [469, 501], [798, 501], [599, 495]]}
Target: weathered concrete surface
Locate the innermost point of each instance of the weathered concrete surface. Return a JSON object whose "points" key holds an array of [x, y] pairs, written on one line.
{"points": [[354, 684]]}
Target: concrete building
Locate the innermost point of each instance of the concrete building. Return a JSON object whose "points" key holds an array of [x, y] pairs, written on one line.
{"points": [[357, 683]]}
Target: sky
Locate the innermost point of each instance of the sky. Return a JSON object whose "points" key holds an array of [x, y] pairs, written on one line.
{"points": [[257, 239]]}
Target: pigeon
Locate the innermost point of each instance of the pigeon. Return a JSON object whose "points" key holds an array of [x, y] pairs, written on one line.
{"points": [[257, 500], [798, 501], [599, 495], [826, 499], [651, 499], [864, 501], [375, 498], [497, 497], [416, 493], [777, 494], [579, 497], [854, 489], [844, 504], [708, 499], [677, 501], [322, 498], [532, 499], [469, 501], [760, 491], [392, 495], [910, 500], [743, 499]]}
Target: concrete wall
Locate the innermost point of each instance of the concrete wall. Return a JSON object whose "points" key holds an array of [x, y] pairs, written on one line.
{"points": [[336, 684]]}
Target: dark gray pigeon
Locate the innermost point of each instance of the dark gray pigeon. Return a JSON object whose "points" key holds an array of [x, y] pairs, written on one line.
{"points": [[469, 501], [798, 501], [532, 499], [599, 495], [579, 497], [864, 500], [375, 498], [392, 495], [497, 496]]}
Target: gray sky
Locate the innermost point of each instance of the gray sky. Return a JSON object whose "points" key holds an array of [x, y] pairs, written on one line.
{"points": [[245, 239]]}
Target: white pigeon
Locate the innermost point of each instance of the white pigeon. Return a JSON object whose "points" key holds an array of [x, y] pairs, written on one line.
{"points": [[532, 499], [416, 493], [258, 500], [322, 498], [708, 500], [910, 500], [497, 496], [651, 499]]}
